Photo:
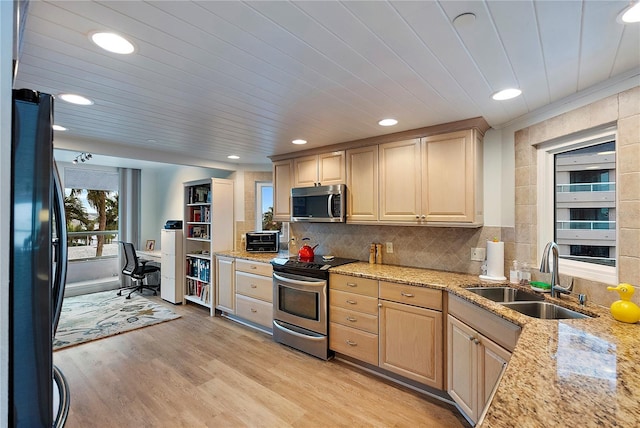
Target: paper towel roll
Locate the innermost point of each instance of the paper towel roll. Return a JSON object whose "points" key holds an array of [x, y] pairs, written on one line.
{"points": [[495, 262]]}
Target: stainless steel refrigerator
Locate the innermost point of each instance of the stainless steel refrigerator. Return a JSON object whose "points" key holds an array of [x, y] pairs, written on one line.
{"points": [[38, 392]]}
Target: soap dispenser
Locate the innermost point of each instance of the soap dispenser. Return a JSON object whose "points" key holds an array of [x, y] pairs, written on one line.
{"points": [[624, 309]]}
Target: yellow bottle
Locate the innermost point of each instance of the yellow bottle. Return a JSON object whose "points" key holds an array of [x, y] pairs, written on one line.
{"points": [[624, 310]]}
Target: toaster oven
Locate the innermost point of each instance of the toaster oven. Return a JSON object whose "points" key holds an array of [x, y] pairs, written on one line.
{"points": [[266, 241]]}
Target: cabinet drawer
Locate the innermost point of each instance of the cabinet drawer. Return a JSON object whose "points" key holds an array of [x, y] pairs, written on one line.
{"points": [[260, 287], [354, 302], [352, 284], [257, 268], [411, 295], [354, 319], [254, 310], [354, 343]]}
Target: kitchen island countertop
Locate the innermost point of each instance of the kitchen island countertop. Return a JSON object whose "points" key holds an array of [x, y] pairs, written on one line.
{"points": [[573, 372]]}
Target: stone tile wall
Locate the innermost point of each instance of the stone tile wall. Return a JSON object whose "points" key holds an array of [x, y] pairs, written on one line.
{"points": [[623, 108], [442, 248]]}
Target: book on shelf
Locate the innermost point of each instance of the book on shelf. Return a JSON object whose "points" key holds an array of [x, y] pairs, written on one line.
{"points": [[199, 195]]}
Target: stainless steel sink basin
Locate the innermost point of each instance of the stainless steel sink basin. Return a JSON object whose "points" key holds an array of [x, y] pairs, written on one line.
{"points": [[505, 294], [544, 310]]}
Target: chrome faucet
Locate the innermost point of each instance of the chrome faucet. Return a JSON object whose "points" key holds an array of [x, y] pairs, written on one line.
{"points": [[552, 267]]}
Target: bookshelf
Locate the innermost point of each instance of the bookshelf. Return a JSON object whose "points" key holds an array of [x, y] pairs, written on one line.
{"points": [[208, 227]]}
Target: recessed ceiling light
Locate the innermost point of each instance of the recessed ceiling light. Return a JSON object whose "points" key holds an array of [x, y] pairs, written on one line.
{"points": [[506, 94], [59, 128], [464, 20], [388, 122], [233, 157], [113, 43], [151, 140], [76, 99], [299, 141], [630, 14]]}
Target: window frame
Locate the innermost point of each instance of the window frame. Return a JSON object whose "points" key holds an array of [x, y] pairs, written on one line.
{"points": [[259, 213], [545, 186]]}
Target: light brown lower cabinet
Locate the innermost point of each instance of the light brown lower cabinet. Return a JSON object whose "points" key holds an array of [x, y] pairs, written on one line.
{"points": [[396, 327], [475, 364], [254, 292], [411, 342], [353, 315]]}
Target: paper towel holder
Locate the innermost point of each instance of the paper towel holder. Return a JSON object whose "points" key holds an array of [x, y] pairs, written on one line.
{"points": [[494, 264]]}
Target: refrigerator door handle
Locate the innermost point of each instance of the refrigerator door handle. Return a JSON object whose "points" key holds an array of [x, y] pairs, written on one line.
{"points": [[60, 249], [63, 398]]}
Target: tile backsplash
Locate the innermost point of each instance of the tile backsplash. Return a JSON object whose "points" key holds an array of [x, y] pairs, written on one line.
{"points": [[442, 248]]}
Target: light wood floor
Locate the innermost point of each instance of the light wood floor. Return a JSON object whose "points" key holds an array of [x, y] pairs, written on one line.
{"points": [[199, 371]]}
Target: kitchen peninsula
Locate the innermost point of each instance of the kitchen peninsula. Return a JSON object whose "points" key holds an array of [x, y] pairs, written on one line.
{"points": [[581, 372]]}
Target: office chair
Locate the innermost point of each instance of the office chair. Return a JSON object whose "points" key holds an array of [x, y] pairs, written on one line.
{"points": [[138, 270]]}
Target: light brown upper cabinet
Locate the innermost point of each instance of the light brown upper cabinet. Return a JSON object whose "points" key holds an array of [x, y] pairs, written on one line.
{"points": [[400, 187], [282, 183], [362, 184], [432, 180], [432, 177], [319, 170], [452, 178]]}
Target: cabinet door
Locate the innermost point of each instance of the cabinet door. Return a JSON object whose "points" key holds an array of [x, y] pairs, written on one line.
{"points": [[449, 177], [305, 171], [362, 184], [331, 169], [411, 342], [462, 366], [282, 184], [225, 284], [222, 217], [400, 187], [493, 360]]}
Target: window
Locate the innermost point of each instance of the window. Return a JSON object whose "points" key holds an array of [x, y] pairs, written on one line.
{"points": [[577, 203], [91, 211], [264, 207]]}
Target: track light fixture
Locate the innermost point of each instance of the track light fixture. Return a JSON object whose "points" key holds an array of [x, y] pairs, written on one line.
{"points": [[82, 157]]}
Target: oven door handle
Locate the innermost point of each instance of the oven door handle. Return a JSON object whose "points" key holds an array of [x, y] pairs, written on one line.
{"points": [[280, 327], [295, 281]]}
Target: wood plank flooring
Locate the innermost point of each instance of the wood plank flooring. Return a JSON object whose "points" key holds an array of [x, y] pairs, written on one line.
{"points": [[199, 371]]}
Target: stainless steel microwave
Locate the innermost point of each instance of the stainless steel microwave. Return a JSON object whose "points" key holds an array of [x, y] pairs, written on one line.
{"points": [[321, 204]]}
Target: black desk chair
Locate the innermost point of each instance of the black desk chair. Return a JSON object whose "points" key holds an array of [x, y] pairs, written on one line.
{"points": [[138, 270]]}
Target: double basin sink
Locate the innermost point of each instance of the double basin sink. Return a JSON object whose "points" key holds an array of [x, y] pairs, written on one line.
{"points": [[526, 303]]}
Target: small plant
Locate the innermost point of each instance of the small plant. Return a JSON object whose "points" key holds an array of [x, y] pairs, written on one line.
{"points": [[267, 221]]}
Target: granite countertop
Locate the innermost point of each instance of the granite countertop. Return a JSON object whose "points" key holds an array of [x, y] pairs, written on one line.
{"points": [[254, 257], [574, 372]]}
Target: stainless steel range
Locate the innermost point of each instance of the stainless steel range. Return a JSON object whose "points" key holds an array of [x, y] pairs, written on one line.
{"points": [[301, 302]]}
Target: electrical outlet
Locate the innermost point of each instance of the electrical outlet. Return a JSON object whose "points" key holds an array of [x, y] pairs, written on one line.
{"points": [[478, 254], [243, 238], [389, 247]]}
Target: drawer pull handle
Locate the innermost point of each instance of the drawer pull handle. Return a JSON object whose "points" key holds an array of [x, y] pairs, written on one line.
{"points": [[254, 267], [407, 294], [352, 302], [254, 286], [351, 284], [254, 310], [350, 343], [352, 319]]}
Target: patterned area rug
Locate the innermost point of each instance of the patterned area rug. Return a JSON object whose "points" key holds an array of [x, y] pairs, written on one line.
{"points": [[98, 315]]}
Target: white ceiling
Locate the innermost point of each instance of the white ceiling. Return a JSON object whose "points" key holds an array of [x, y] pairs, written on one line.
{"points": [[210, 79]]}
